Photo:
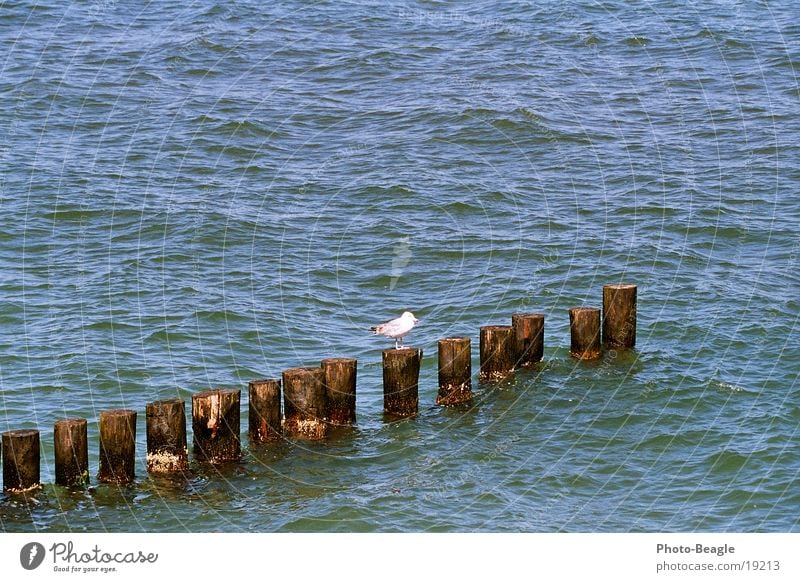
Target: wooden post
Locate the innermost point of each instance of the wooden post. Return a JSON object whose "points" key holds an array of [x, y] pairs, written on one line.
{"points": [[340, 387], [619, 316], [117, 446], [584, 326], [305, 403], [215, 424], [401, 381], [498, 352], [264, 418], [166, 436], [20, 460], [71, 452], [529, 336], [455, 371]]}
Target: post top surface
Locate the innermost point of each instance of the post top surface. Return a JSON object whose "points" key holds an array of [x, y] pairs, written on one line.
{"points": [[402, 351], [118, 412], [265, 381], [583, 309], [303, 370], [165, 401], [23, 432], [70, 421], [338, 361], [496, 327], [455, 339], [206, 393]]}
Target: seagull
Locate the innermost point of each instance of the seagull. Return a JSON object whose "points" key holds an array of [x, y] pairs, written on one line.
{"points": [[397, 329]]}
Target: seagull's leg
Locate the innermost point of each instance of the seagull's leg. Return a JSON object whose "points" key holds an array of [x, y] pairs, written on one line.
{"points": [[396, 346]]}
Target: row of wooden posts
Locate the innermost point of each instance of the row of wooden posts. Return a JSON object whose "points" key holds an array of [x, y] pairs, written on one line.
{"points": [[315, 399]]}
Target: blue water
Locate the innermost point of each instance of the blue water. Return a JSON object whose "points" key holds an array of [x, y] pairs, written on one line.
{"points": [[199, 194]]}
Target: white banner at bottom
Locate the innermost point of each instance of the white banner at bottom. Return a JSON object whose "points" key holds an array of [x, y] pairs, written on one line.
{"points": [[355, 557]]}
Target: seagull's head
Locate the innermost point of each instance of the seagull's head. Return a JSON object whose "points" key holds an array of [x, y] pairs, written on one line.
{"points": [[409, 315]]}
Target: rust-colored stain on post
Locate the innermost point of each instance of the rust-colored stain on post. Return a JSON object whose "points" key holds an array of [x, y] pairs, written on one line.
{"points": [[215, 424], [529, 337], [584, 325]]}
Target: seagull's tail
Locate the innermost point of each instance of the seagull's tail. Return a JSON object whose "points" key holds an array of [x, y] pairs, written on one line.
{"points": [[374, 329]]}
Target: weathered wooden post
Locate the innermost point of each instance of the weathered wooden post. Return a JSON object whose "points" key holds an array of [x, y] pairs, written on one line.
{"points": [[529, 335], [305, 403], [584, 326], [619, 316], [117, 446], [215, 425], [70, 437], [498, 352], [264, 418], [455, 371], [340, 387], [166, 436], [20, 460], [401, 381]]}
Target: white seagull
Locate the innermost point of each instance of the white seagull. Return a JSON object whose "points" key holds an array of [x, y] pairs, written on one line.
{"points": [[397, 329]]}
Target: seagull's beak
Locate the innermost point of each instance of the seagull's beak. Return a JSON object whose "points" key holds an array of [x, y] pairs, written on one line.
{"points": [[416, 320]]}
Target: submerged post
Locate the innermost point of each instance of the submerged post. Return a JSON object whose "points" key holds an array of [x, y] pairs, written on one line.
{"points": [[71, 452], [584, 326], [498, 352], [340, 387], [401, 381], [455, 371], [215, 424], [305, 403], [117, 446], [20, 460], [529, 337], [619, 316], [264, 418], [166, 436]]}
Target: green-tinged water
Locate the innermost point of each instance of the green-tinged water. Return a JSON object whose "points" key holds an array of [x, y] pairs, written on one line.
{"points": [[196, 195]]}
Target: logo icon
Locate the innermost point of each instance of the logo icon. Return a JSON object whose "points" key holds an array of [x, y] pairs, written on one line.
{"points": [[31, 555]]}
